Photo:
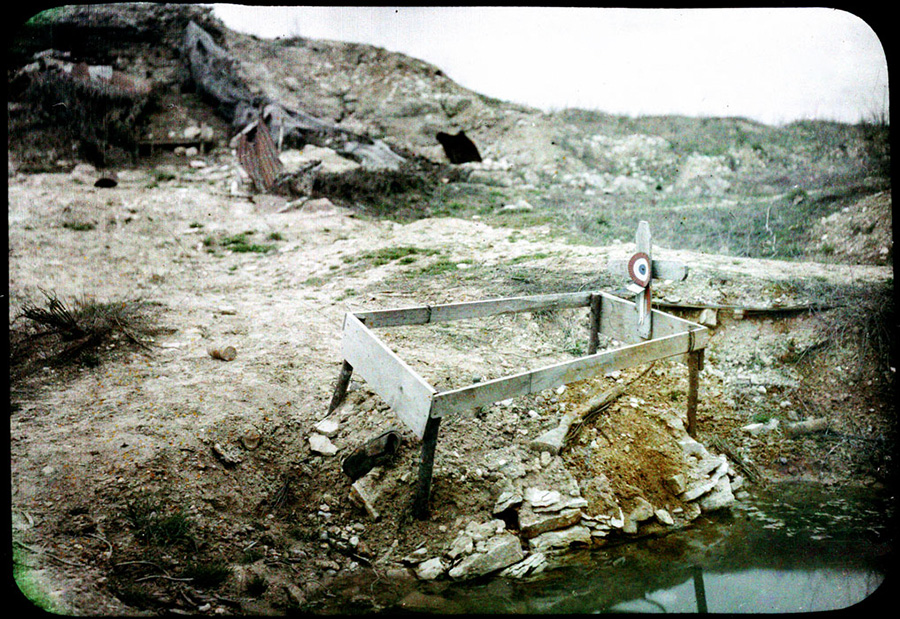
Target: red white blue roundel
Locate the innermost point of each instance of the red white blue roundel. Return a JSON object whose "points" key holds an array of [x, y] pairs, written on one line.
{"points": [[639, 269]]}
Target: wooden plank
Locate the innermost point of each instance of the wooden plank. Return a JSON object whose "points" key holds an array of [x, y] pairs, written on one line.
{"points": [[400, 317], [549, 377], [480, 309], [660, 269], [426, 314], [618, 320], [400, 387]]}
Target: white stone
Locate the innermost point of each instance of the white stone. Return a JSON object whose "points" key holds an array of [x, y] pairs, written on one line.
{"points": [[532, 564], [327, 427], [541, 498], [664, 517], [507, 499], [321, 444], [501, 551], [708, 318], [462, 545], [721, 496], [431, 569], [757, 429], [643, 510], [562, 538]]}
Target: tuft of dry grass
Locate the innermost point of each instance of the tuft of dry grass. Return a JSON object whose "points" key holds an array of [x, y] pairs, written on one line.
{"points": [[861, 317], [59, 333]]}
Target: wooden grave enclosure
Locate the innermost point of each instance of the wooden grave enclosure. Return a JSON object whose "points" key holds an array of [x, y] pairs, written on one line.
{"points": [[647, 334]]}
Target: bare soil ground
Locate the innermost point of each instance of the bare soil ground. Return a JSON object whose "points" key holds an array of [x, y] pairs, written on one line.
{"points": [[131, 473]]}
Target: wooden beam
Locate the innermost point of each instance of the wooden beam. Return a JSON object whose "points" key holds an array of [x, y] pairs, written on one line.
{"points": [[426, 314], [533, 381], [618, 320], [661, 269], [402, 389]]}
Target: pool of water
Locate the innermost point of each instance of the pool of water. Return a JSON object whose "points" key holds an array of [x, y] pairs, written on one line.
{"points": [[786, 548]]}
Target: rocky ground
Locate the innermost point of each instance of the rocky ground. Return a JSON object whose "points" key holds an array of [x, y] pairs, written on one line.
{"points": [[149, 475]]}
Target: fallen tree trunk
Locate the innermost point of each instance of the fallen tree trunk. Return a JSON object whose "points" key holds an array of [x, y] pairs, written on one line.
{"points": [[214, 74]]}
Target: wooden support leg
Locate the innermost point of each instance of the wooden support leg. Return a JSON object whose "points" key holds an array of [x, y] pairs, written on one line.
{"points": [[426, 467], [699, 589], [593, 342], [340, 390], [695, 364]]}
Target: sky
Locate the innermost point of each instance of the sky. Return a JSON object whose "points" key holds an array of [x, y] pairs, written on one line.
{"points": [[773, 65]]}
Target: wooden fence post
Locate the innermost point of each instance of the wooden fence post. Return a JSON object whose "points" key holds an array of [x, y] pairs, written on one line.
{"points": [[340, 390], [426, 467], [593, 341], [694, 364]]}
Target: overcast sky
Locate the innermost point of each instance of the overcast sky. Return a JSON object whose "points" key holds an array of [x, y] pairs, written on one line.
{"points": [[772, 65]]}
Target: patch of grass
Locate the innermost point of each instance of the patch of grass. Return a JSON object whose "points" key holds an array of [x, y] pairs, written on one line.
{"points": [[153, 526], [207, 575], [252, 555], [386, 255], [79, 226], [439, 267], [527, 257], [196, 225], [275, 236], [761, 417], [238, 243]]}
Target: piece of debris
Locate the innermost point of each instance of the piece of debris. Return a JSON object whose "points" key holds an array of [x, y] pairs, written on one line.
{"points": [[458, 148], [808, 426], [251, 439], [228, 353], [365, 495], [373, 453], [213, 71], [761, 428], [228, 458]]}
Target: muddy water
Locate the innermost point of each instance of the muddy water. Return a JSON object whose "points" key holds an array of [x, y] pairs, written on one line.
{"points": [[788, 548]]}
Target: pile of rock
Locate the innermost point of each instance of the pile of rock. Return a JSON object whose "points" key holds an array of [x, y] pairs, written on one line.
{"points": [[539, 510]]}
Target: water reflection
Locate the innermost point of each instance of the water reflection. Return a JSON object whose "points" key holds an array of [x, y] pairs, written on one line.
{"points": [[794, 548], [759, 591]]}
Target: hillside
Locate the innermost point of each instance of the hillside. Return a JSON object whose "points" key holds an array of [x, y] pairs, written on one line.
{"points": [[151, 474]]}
